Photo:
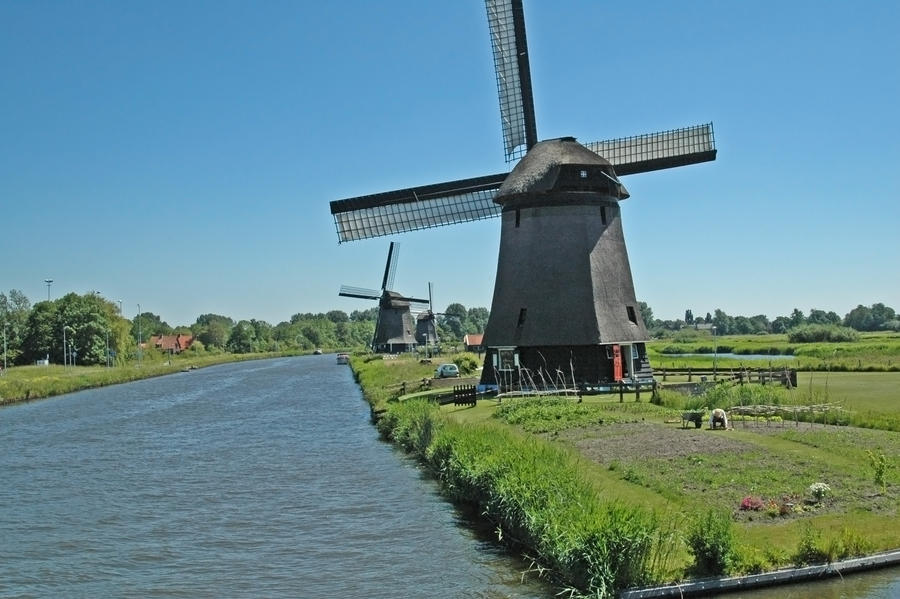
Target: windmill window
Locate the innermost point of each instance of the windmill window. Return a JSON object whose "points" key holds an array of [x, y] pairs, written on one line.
{"points": [[518, 217], [522, 314], [583, 174], [632, 315], [603, 214]]}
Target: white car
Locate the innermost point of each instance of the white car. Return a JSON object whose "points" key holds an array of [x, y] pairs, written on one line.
{"points": [[446, 371]]}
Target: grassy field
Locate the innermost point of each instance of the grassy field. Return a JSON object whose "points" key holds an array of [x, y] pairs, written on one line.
{"points": [[793, 491]]}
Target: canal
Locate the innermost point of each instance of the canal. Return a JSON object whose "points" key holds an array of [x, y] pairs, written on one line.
{"points": [[255, 479], [252, 479]]}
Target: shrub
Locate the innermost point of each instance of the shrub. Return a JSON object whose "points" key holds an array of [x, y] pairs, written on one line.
{"points": [[819, 491], [467, 363], [752, 503], [829, 333], [810, 549], [711, 542]]}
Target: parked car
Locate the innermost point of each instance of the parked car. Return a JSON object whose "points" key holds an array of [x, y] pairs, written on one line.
{"points": [[446, 371]]}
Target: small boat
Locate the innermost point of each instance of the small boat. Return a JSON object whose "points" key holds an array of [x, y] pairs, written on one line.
{"points": [[318, 352], [343, 358]]}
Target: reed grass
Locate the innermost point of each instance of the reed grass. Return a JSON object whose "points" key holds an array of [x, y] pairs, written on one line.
{"points": [[537, 496]]}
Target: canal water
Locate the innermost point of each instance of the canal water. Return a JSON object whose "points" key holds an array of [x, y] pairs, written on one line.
{"points": [[255, 479]]}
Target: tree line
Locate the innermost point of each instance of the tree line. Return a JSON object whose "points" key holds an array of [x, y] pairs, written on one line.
{"points": [[876, 317], [95, 330]]}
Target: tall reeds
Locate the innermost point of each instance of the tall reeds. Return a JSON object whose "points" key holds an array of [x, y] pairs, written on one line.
{"points": [[537, 496]]}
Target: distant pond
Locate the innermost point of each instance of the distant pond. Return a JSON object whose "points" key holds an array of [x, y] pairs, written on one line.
{"points": [[737, 356]]}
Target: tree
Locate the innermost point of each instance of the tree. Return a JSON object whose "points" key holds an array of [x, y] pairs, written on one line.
{"points": [[455, 319], [148, 324], [688, 317], [782, 324], [212, 330], [797, 318], [724, 324], [14, 310], [242, 339], [477, 319], [337, 316], [646, 314], [38, 338], [262, 332], [875, 318], [362, 315]]}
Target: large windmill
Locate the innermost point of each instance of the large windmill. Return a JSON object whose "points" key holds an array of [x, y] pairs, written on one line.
{"points": [[564, 307], [396, 328]]}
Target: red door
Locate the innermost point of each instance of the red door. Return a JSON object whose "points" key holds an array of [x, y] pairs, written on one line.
{"points": [[617, 363]]}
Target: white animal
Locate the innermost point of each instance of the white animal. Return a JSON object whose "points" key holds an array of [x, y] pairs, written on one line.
{"points": [[718, 417]]}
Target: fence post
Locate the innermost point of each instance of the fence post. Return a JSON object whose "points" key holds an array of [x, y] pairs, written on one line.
{"points": [[621, 391]]}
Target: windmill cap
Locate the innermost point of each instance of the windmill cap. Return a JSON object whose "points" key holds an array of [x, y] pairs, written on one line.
{"points": [[560, 165]]}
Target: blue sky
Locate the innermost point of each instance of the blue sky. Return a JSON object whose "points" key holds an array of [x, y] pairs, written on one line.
{"points": [[182, 155]]}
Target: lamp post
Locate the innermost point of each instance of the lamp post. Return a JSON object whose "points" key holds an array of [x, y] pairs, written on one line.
{"points": [[715, 353], [140, 356], [48, 281]]}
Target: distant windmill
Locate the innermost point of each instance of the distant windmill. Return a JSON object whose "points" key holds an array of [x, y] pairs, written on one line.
{"points": [[564, 305], [396, 327]]}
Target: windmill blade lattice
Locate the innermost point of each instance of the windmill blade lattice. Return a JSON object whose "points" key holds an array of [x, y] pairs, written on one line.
{"points": [[506, 20], [390, 268], [655, 151], [359, 292], [416, 208]]}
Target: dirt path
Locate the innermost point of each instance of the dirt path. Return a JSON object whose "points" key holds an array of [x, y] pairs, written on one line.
{"points": [[627, 441]]}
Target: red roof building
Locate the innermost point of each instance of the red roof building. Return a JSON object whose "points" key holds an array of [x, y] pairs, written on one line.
{"points": [[172, 343], [474, 342]]}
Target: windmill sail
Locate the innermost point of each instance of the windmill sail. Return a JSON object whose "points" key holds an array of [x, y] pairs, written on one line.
{"points": [[654, 151], [506, 20], [416, 208]]}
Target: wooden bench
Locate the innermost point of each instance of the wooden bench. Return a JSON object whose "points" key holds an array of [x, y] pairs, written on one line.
{"points": [[465, 395]]}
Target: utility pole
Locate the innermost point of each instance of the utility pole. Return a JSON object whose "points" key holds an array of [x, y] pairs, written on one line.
{"points": [[140, 356]]}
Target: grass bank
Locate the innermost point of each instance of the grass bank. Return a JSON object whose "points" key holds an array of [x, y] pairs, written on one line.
{"points": [[23, 383], [685, 502]]}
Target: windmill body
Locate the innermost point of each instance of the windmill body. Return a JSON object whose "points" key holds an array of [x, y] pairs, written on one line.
{"points": [[564, 298], [564, 310]]}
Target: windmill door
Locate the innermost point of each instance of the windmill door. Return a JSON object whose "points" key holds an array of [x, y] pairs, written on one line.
{"points": [[617, 362]]}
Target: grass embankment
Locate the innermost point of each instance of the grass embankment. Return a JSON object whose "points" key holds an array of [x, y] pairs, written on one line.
{"points": [[565, 481], [23, 383], [872, 352]]}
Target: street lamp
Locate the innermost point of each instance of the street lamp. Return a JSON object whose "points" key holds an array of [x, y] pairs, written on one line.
{"points": [[65, 358], [140, 356], [48, 281], [715, 352]]}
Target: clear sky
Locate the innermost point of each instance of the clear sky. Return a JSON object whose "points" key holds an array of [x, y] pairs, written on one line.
{"points": [[182, 155]]}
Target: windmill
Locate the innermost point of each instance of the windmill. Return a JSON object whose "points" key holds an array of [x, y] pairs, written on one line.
{"points": [[396, 327], [564, 306]]}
